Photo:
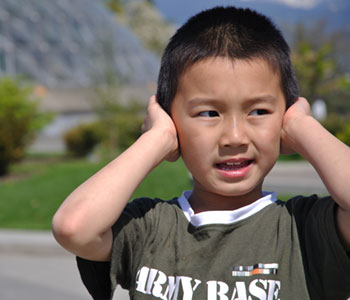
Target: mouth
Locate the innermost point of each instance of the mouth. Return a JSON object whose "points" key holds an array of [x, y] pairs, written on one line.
{"points": [[234, 165]]}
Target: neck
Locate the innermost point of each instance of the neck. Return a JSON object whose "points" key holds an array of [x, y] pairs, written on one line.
{"points": [[201, 200]]}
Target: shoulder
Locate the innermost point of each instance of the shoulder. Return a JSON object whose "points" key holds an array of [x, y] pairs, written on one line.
{"points": [[313, 214], [309, 204], [326, 262], [312, 211], [142, 206], [146, 213]]}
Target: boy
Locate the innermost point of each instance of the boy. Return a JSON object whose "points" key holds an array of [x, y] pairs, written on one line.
{"points": [[228, 88]]}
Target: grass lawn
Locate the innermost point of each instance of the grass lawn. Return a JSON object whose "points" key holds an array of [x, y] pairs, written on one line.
{"points": [[35, 188], [32, 193]]}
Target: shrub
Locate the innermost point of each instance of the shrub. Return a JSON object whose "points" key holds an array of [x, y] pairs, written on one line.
{"points": [[334, 123], [344, 134], [20, 119], [338, 126], [128, 128], [120, 116], [81, 140], [121, 125]]}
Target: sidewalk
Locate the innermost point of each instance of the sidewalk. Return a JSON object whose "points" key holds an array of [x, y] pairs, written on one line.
{"points": [[29, 242], [35, 267], [294, 178]]}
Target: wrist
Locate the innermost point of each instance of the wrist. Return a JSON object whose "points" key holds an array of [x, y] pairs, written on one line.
{"points": [[310, 137], [299, 133], [163, 144]]}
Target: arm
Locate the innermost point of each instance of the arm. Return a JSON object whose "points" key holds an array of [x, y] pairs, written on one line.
{"points": [[329, 156], [83, 223]]}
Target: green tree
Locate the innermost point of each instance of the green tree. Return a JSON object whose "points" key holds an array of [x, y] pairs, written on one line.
{"points": [[82, 139], [120, 121], [115, 6], [20, 119], [315, 70], [319, 73], [145, 21], [120, 118], [344, 135]]}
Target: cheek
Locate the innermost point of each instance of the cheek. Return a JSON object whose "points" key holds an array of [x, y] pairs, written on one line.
{"points": [[195, 149], [190, 144], [190, 136], [185, 140], [270, 139]]}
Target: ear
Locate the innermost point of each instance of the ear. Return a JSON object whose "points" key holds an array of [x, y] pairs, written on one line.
{"points": [[284, 149], [175, 155]]}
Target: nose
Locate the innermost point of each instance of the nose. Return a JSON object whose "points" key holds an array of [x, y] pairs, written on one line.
{"points": [[233, 133]]}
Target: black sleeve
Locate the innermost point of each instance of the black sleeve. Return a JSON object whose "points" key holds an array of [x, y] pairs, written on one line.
{"points": [[95, 276], [130, 232], [326, 263]]}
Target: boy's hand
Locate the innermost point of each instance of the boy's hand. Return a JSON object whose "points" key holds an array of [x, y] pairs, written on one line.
{"points": [[157, 120], [295, 115], [84, 221], [328, 155]]}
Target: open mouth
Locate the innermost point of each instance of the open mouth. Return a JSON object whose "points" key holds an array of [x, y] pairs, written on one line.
{"points": [[234, 165]]}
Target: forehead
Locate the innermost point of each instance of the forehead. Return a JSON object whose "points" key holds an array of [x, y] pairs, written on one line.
{"points": [[219, 63], [223, 78]]}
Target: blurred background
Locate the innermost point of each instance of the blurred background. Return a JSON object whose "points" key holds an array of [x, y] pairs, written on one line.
{"points": [[75, 77]]}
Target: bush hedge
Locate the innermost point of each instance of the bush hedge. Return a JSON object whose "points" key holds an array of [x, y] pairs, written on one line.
{"points": [[20, 119], [81, 140], [338, 126]]}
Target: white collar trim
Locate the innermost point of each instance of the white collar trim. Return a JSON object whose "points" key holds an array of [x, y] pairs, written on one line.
{"points": [[224, 216]]}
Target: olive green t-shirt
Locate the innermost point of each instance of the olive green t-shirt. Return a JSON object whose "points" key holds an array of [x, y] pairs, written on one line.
{"points": [[269, 250]]}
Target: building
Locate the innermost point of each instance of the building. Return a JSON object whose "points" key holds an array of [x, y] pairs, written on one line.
{"points": [[66, 48]]}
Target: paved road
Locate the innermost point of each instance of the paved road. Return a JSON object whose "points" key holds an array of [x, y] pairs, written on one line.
{"points": [[34, 267], [35, 277], [294, 178]]}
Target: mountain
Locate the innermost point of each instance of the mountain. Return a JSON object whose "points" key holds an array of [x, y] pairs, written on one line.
{"points": [[325, 17], [335, 12], [70, 43]]}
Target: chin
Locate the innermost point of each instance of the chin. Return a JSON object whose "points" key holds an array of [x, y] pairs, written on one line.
{"points": [[238, 191], [231, 192]]}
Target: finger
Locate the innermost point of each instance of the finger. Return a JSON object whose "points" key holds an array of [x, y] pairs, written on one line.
{"points": [[146, 122], [152, 100], [302, 101], [152, 106], [144, 127], [304, 105]]}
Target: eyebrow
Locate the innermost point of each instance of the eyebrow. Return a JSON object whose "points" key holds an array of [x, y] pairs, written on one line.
{"points": [[262, 98], [197, 101], [250, 101]]}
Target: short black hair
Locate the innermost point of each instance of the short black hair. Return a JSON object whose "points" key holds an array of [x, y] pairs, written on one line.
{"points": [[235, 33]]}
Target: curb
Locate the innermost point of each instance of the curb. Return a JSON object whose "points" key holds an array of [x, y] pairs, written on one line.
{"points": [[29, 242]]}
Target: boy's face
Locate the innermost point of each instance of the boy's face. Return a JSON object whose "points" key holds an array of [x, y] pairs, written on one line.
{"points": [[228, 117]]}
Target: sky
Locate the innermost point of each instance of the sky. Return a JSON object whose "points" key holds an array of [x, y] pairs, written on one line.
{"points": [[296, 3], [287, 10]]}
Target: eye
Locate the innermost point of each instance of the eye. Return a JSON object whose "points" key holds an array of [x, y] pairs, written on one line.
{"points": [[259, 112], [209, 114]]}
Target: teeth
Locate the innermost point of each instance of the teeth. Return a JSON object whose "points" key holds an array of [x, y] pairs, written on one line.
{"points": [[233, 163]]}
